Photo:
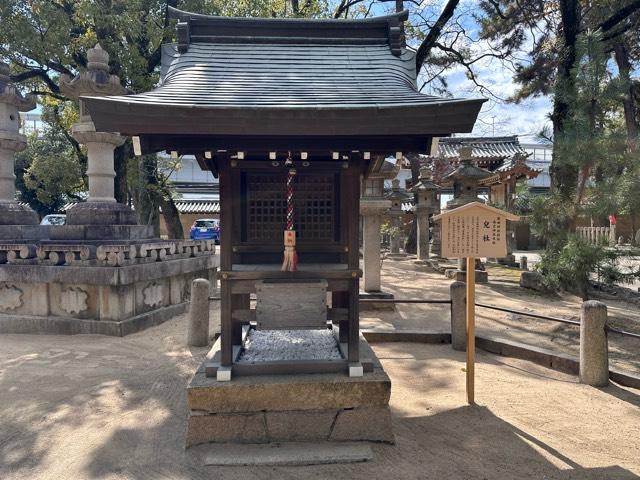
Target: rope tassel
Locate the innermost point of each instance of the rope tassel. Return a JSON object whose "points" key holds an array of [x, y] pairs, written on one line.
{"points": [[290, 262]]}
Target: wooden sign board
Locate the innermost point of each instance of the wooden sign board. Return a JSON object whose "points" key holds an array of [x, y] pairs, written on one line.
{"points": [[474, 230]]}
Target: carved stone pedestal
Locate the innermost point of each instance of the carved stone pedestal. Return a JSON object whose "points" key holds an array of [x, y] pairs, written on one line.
{"points": [[110, 288]]}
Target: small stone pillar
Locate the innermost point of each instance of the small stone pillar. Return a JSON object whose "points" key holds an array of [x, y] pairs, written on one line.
{"points": [[612, 234], [524, 263], [11, 141], [198, 330], [594, 348], [101, 207], [458, 316], [371, 211], [427, 193]]}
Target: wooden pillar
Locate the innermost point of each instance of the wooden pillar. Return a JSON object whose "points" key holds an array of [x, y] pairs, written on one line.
{"points": [[341, 300], [353, 217], [471, 336], [226, 336], [239, 301], [226, 244], [354, 321]]}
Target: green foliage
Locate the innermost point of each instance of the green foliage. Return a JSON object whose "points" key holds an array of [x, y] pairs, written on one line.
{"points": [[388, 230], [549, 218], [571, 267], [48, 172]]}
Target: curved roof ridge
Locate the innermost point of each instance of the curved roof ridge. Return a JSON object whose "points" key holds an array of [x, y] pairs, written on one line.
{"points": [[183, 15]]}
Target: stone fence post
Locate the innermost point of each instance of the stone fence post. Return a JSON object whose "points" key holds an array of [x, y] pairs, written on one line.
{"points": [[458, 316], [198, 330], [594, 348]]}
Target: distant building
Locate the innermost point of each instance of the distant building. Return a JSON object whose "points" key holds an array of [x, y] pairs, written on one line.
{"points": [[30, 123]]}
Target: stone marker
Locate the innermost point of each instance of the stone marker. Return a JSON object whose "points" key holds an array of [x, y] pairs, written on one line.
{"points": [[594, 354], [533, 281], [198, 332], [524, 263], [458, 316]]}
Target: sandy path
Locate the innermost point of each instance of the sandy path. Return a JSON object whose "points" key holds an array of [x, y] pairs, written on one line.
{"points": [[503, 290], [87, 407]]}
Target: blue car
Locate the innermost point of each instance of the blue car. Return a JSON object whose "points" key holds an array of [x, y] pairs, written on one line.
{"points": [[206, 229]]}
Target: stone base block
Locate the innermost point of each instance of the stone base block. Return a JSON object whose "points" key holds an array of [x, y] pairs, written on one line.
{"points": [[533, 281], [290, 408], [100, 233], [397, 256], [482, 276], [73, 326], [74, 233], [372, 304], [13, 213], [18, 233], [101, 213]]}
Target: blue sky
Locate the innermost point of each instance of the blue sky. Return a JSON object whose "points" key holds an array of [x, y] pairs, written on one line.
{"points": [[499, 117]]}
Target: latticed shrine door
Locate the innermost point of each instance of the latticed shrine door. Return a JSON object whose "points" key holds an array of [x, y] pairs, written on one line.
{"points": [[315, 201]]}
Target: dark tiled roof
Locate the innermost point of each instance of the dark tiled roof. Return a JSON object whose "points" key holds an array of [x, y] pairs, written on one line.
{"points": [[234, 76], [197, 206], [483, 147]]}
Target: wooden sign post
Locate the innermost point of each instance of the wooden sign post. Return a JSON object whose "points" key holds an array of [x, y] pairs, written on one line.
{"points": [[471, 231]]}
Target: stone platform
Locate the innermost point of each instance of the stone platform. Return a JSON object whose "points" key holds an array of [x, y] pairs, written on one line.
{"points": [[291, 408], [110, 288]]}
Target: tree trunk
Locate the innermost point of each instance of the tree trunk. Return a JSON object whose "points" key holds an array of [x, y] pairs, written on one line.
{"points": [[120, 190], [145, 194], [171, 218], [621, 55], [564, 176]]}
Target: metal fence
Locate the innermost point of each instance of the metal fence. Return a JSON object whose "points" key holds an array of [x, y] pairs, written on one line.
{"points": [[500, 309]]}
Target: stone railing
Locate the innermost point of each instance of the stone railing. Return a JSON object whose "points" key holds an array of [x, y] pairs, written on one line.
{"points": [[109, 254], [596, 235]]}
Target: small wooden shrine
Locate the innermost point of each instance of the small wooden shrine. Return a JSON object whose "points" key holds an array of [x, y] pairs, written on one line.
{"points": [[291, 114]]}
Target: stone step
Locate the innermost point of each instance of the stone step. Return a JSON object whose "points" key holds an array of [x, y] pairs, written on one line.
{"points": [[284, 454]]}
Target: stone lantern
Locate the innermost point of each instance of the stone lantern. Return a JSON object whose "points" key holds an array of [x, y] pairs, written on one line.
{"points": [[373, 205], [398, 196], [101, 207], [465, 180], [11, 141], [427, 193]]}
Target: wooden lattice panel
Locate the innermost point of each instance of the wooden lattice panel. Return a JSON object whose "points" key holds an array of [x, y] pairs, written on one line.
{"points": [[314, 203]]}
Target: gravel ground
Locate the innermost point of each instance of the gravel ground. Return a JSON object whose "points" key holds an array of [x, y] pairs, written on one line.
{"points": [[271, 345]]}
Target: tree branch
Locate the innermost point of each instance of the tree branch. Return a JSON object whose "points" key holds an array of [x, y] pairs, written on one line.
{"points": [[36, 73], [432, 37], [619, 16]]}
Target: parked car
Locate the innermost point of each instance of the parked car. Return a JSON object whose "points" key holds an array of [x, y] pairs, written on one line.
{"points": [[55, 219], [206, 229]]}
